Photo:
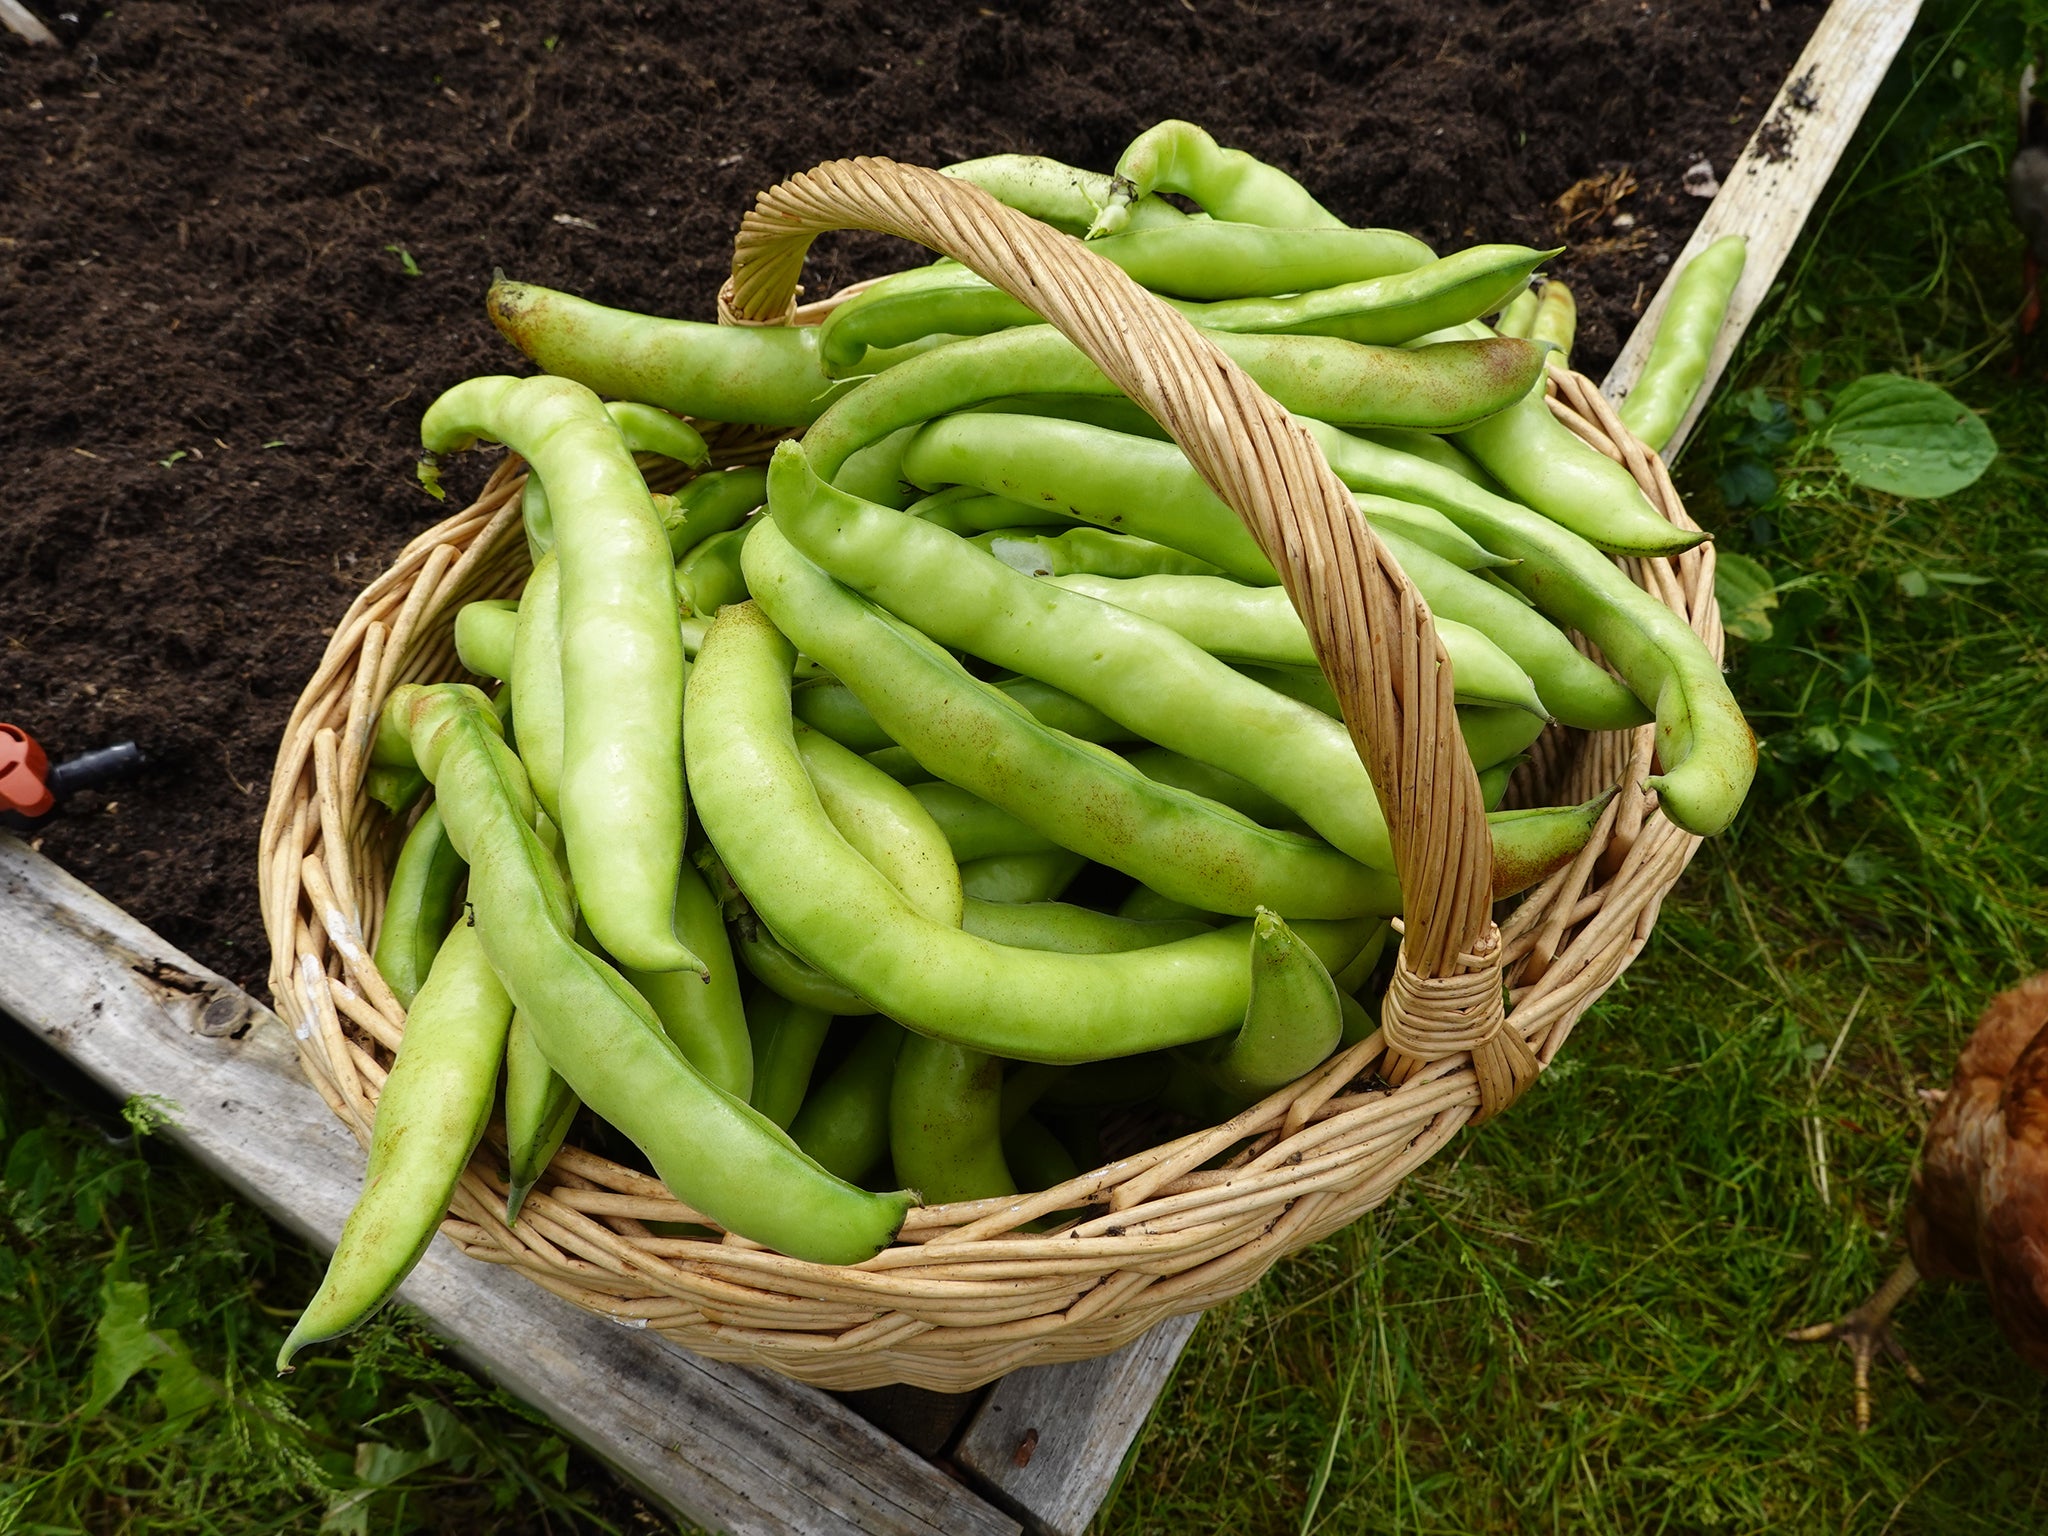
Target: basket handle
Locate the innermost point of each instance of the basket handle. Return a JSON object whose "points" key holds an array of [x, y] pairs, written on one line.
{"points": [[1370, 628]]}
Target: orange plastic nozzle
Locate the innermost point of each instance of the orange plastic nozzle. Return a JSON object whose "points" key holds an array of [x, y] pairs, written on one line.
{"points": [[24, 773]]}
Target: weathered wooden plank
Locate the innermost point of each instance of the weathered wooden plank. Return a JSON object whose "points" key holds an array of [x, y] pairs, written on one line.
{"points": [[1050, 1440], [731, 1449], [1769, 191]]}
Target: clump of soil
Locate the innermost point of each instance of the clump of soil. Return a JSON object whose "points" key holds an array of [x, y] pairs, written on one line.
{"points": [[244, 245]]}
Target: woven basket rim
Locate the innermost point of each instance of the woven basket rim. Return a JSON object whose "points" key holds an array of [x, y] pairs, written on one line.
{"points": [[964, 1295]]}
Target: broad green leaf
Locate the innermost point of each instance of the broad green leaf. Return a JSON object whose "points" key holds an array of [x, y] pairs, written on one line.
{"points": [[1907, 437], [1746, 595], [124, 1344]]}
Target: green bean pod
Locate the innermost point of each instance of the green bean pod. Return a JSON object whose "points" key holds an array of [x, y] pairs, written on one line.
{"points": [[968, 510], [703, 1015], [973, 829], [1292, 1022], [1213, 783], [1556, 321], [539, 1110], [708, 577], [787, 1037], [1436, 387], [1385, 311], [1204, 259], [1685, 338], [483, 635], [1704, 745], [419, 905], [621, 796], [1064, 196], [1178, 156], [945, 1121], [1070, 930], [646, 430], [844, 1124], [890, 826], [764, 374], [430, 1116], [1515, 319], [1079, 795], [1427, 445], [714, 1152], [1228, 619], [1089, 551], [1021, 877], [1493, 782], [810, 885], [794, 979], [714, 502], [537, 682], [1134, 670]]}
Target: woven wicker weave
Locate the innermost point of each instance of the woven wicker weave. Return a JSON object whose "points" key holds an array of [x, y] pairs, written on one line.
{"points": [[968, 1293]]}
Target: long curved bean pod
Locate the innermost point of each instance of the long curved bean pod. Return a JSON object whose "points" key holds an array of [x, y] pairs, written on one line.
{"points": [[621, 796], [1079, 795], [767, 375], [1213, 784], [1206, 259], [1064, 196], [715, 1152], [1234, 621], [1685, 339], [540, 1107], [968, 510], [708, 577], [794, 979], [1021, 878], [973, 828], [1516, 318], [1436, 387], [945, 1121], [703, 1015], [715, 502], [1178, 156], [430, 1116], [1089, 551], [1292, 1022], [537, 682], [1556, 321], [892, 827], [844, 1124], [646, 429], [787, 1037], [418, 906], [812, 887], [1068, 929], [483, 635], [1704, 746]]}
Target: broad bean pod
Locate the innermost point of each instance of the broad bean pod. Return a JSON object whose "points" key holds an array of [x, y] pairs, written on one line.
{"points": [[1071, 930], [419, 905], [710, 1148], [968, 510], [703, 1015], [1541, 462], [537, 682], [890, 826], [768, 375], [793, 978], [1435, 387], [1177, 156], [430, 1116], [807, 882], [1079, 795], [1516, 318], [1291, 1023], [1704, 745], [708, 577], [622, 806], [973, 829], [539, 1109], [1133, 669], [1236, 622], [1677, 364], [1556, 321], [945, 1121], [1064, 196], [787, 1037], [646, 430], [1088, 551], [483, 635], [714, 502], [1213, 784], [829, 706], [844, 1123], [1021, 877]]}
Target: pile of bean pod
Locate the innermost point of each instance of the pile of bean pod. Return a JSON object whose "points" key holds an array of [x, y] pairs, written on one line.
{"points": [[977, 638]]}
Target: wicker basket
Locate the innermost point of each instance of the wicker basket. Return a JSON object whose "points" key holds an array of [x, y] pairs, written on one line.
{"points": [[969, 1293]]}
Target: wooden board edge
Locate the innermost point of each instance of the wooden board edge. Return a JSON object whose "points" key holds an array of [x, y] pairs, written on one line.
{"points": [[1779, 177]]}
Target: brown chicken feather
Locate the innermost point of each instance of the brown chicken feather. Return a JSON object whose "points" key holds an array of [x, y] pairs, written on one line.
{"points": [[1979, 1209]]}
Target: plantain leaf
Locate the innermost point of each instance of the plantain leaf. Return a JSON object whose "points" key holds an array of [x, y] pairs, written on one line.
{"points": [[1907, 437]]}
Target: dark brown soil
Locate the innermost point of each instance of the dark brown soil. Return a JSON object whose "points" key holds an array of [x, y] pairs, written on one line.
{"points": [[213, 356]]}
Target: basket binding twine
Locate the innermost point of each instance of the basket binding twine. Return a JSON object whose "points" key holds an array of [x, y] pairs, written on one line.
{"points": [[968, 1293]]}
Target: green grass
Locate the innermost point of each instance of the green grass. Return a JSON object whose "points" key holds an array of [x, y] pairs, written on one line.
{"points": [[1568, 1322]]}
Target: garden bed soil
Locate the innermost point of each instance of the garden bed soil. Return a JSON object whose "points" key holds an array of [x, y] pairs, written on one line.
{"points": [[242, 247]]}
